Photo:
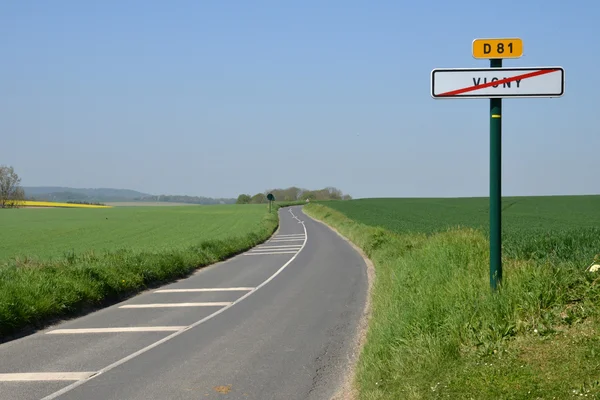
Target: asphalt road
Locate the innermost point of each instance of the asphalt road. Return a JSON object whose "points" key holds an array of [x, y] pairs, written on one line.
{"points": [[283, 329]]}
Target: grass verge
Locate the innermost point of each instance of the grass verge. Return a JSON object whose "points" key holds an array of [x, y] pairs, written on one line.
{"points": [[34, 293], [437, 331]]}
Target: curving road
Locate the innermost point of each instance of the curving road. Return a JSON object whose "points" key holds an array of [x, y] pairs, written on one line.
{"points": [[277, 322]]}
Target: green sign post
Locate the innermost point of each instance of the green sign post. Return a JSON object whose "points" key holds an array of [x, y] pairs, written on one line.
{"points": [[496, 83], [271, 199], [495, 187]]}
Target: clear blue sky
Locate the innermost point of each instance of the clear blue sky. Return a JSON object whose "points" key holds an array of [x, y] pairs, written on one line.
{"points": [[218, 98]]}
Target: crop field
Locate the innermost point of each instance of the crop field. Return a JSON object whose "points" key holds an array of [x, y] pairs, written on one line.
{"points": [[148, 204], [55, 232], [30, 203], [429, 215], [563, 227], [437, 330]]}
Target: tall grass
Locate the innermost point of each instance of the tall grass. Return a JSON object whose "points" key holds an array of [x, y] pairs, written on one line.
{"points": [[437, 331], [33, 292]]}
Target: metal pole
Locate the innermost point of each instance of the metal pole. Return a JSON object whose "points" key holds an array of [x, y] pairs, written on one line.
{"points": [[495, 187]]}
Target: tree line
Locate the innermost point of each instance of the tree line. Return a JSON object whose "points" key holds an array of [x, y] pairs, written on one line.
{"points": [[294, 194], [90, 203], [186, 199]]}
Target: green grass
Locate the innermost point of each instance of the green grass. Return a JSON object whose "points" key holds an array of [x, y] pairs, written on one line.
{"points": [[113, 258], [438, 332], [55, 232]]}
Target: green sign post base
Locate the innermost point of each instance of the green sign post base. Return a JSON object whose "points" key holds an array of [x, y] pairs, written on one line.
{"points": [[271, 198]]}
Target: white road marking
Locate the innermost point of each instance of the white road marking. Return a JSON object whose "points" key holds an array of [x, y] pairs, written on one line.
{"points": [[117, 330], [288, 236], [175, 334], [45, 376], [229, 289], [277, 249], [168, 305], [258, 250], [261, 253], [284, 240], [289, 246]]}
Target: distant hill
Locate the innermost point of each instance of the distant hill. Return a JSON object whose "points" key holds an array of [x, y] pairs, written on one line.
{"points": [[96, 192], [186, 199], [57, 193], [108, 195]]}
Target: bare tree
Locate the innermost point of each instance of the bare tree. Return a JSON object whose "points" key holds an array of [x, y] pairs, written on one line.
{"points": [[11, 192]]}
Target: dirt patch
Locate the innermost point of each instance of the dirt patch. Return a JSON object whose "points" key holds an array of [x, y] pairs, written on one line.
{"points": [[222, 389], [348, 390]]}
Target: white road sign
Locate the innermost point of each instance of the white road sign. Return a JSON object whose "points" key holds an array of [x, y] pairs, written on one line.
{"points": [[469, 83]]}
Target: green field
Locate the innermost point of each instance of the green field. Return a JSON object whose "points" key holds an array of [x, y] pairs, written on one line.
{"points": [[60, 262], [437, 331], [434, 215], [561, 227], [55, 232], [147, 204]]}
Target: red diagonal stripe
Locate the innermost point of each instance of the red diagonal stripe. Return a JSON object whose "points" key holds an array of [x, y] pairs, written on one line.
{"points": [[499, 82]]}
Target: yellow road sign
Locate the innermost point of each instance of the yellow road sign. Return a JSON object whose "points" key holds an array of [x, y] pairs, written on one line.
{"points": [[497, 48]]}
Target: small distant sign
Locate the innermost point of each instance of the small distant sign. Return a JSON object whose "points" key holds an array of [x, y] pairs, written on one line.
{"points": [[270, 197], [497, 48]]}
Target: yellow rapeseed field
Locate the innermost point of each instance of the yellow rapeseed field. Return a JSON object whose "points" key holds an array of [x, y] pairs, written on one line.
{"points": [[28, 203]]}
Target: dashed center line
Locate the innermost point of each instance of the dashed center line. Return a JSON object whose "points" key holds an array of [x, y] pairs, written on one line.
{"points": [[167, 305], [231, 289], [117, 330], [45, 376]]}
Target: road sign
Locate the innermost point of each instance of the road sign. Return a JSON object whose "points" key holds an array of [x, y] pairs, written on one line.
{"points": [[497, 48], [495, 83], [469, 83], [271, 199]]}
